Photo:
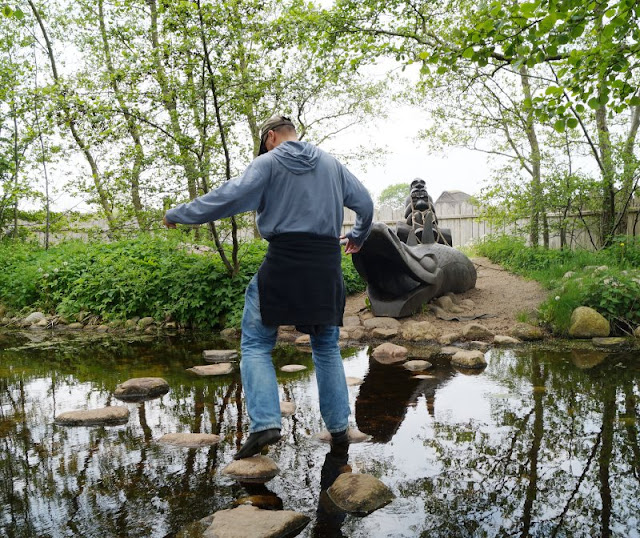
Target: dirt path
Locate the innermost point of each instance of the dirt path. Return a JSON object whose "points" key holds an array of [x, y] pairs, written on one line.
{"points": [[498, 293]]}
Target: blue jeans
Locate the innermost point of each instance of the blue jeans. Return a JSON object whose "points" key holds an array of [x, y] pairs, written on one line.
{"points": [[259, 376]]}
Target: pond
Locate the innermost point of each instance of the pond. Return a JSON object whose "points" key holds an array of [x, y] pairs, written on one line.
{"points": [[543, 442]]}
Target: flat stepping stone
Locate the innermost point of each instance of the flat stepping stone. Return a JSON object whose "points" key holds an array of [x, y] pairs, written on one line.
{"points": [[384, 334], [420, 331], [293, 368], [424, 376], [359, 493], [389, 353], [355, 436], [503, 340], [417, 365], [477, 344], [219, 355], [189, 440], [449, 338], [254, 469], [354, 381], [449, 350], [475, 331], [611, 342], [248, 521], [222, 368], [287, 408], [141, 388], [469, 359], [106, 416]]}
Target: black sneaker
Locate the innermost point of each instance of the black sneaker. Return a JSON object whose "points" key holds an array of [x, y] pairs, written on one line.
{"points": [[257, 441], [340, 443]]}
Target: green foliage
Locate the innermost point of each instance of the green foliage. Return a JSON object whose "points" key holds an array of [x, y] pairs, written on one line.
{"points": [[394, 195], [607, 280], [137, 277]]}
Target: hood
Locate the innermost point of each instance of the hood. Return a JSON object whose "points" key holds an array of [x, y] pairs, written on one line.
{"points": [[297, 157]]}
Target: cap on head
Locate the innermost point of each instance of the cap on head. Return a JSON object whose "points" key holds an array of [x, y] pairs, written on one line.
{"points": [[272, 123]]}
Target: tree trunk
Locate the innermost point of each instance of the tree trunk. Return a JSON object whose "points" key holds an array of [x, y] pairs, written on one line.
{"points": [[536, 186], [103, 195], [132, 127]]}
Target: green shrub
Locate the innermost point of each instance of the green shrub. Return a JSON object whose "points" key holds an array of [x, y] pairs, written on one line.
{"points": [[146, 276]]}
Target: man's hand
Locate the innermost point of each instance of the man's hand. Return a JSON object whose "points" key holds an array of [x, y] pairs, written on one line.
{"points": [[349, 246], [168, 223]]}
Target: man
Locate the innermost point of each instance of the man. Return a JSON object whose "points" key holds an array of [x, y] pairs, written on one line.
{"points": [[299, 193]]}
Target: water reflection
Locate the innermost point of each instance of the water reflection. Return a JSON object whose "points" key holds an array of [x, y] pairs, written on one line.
{"points": [[541, 443]]}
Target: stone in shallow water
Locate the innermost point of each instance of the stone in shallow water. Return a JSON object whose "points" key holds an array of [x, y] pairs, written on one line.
{"points": [[189, 440], [612, 342], [389, 353], [381, 323], [469, 359], [293, 368], [287, 408], [105, 416], [354, 381], [417, 365], [222, 368], [424, 376], [251, 522], [141, 388], [384, 334], [477, 344], [449, 350], [219, 355], [253, 469], [359, 493], [355, 436], [420, 331]]}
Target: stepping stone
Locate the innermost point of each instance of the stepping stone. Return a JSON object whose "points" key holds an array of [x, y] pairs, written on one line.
{"points": [[222, 368], [359, 493], [293, 368], [449, 338], [351, 321], [251, 522], [141, 388], [420, 331], [287, 408], [355, 436], [384, 334], [449, 350], [503, 340], [219, 355], [354, 381], [254, 469], [389, 353], [106, 416], [266, 501], [189, 440], [469, 359], [417, 365], [424, 376]]}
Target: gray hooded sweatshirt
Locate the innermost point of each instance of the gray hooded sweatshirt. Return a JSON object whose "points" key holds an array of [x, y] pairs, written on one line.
{"points": [[296, 187]]}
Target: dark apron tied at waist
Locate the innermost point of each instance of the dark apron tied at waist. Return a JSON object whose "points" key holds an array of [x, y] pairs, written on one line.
{"points": [[300, 282]]}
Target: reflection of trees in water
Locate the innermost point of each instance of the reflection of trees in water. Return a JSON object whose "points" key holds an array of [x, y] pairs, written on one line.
{"points": [[566, 466], [107, 481]]}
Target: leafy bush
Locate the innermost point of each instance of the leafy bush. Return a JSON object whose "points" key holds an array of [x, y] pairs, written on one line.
{"points": [[146, 276]]}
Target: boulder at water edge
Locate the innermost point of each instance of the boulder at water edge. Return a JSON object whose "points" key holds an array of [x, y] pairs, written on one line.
{"points": [[475, 331], [34, 317], [469, 359], [189, 440], [588, 323], [253, 469], [251, 522], [419, 331], [141, 388], [359, 493], [106, 416], [389, 353]]}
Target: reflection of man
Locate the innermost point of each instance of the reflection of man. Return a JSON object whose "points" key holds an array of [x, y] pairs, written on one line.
{"points": [[299, 193]]}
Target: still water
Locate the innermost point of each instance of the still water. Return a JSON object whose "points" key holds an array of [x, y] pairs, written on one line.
{"points": [[543, 442]]}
